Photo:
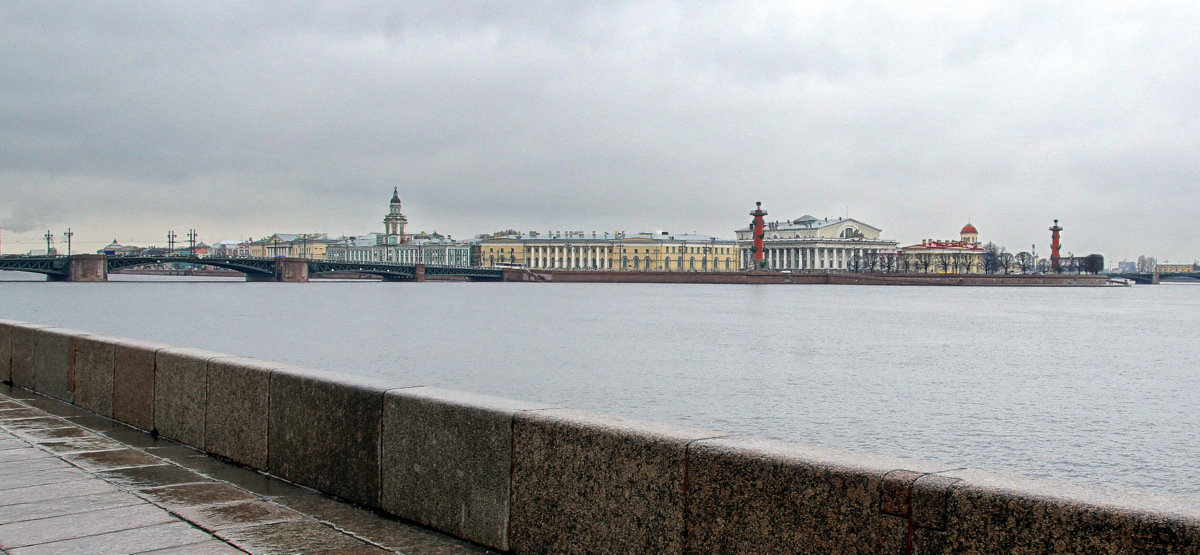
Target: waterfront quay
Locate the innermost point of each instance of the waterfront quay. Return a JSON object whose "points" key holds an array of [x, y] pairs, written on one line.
{"points": [[96, 268], [528, 477]]}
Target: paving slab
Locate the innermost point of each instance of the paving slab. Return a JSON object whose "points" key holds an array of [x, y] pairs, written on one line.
{"points": [[28, 479], [80, 445], [113, 460], [210, 547], [33, 423], [299, 536], [27, 453], [238, 515], [189, 495], [47, 492], [34, 465], [168, 535], [57, 408], [58, 433], [18, 413], [377, 529], [66, 506], [27, 533], [6, 444], [141, 477]]}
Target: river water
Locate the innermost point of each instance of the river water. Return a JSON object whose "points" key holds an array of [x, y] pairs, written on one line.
{"points": [[1095, 385]]}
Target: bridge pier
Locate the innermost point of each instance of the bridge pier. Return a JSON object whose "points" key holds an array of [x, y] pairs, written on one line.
{"points": [[419, 272], [291, 270], [84, 268]]}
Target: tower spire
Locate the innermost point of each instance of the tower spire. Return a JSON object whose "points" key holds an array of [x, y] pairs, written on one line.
{"points": [[393, 222]]}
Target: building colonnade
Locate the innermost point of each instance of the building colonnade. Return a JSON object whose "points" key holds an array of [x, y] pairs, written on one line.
{"points": [[823, 257]]}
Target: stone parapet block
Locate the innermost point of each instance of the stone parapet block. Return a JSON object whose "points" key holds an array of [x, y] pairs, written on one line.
{"points": [[987, 512], [447, 461], [748, 495], [22, 344], [53, 364], [236, 413], [6, 349], [325, 431], [181, 393], [133, 382], [589, 483], [92, 361]]}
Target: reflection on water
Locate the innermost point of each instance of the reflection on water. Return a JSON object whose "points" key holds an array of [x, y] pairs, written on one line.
{"points": [[1092, 385]]}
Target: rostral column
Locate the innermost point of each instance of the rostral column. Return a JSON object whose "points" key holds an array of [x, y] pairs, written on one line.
{"points": [[758, 229], [1055, 247]]}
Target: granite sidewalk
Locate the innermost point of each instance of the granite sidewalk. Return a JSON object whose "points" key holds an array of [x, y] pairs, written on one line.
{"points": [[75, 482]]}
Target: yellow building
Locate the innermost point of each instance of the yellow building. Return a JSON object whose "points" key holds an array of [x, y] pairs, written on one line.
{"points": [[291, 245], [1175, 268], [576, 250], [933, 256]]}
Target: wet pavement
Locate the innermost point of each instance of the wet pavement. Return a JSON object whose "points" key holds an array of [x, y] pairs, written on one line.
{"points": [[75, 482]]}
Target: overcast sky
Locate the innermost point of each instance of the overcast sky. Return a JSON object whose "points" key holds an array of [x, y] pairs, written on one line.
{"points": [[126, 120]]}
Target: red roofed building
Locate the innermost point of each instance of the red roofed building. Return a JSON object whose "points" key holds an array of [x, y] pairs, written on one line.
{"points": [[934, 256]]}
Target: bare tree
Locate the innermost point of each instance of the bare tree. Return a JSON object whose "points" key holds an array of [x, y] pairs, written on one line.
{"points": [[1006, 262], [854, 263], [991, 258], [1025, 262], [887, 262], [944, 261]]}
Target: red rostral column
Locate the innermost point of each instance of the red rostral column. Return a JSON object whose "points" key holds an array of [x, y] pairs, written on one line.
{"points": [[1055, 247], [757, 228]]}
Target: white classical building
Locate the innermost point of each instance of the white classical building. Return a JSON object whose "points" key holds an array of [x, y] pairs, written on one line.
{"points": [[396, 246], [808, 243]]}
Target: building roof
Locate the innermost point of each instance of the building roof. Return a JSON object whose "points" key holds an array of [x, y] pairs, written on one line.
{"points": [[933, 244], [600, 237], [809, 222], [969, 229]]}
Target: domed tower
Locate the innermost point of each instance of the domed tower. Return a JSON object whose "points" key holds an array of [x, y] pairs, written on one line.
{"points": [[969, 234], [393, 223]]}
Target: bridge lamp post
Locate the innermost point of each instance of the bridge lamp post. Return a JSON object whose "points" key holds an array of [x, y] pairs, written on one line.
{"points": [[68, 235]]}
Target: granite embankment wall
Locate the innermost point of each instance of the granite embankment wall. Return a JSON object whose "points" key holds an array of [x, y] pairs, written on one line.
{"points": [[530, 478], [833, 278]]}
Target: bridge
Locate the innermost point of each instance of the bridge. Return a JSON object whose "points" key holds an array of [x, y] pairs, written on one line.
{"points": [[95, 267], [1152, 278]]}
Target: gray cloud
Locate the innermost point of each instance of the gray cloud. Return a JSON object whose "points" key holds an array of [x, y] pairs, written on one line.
{"points": [[130, 119]]}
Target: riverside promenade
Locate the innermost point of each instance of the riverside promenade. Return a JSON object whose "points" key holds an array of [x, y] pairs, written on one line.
{"points": [[72, 481]]}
